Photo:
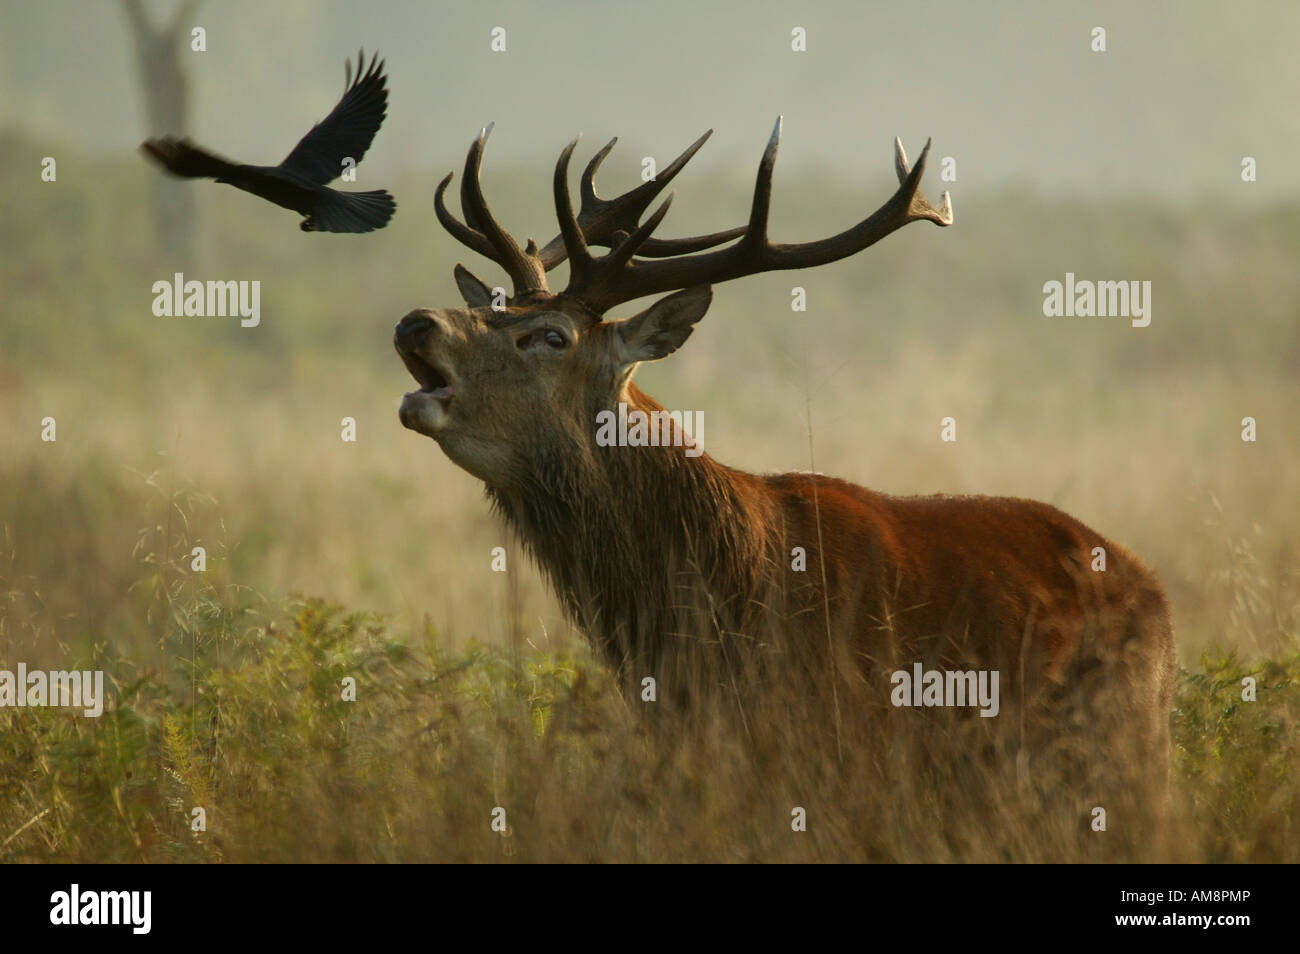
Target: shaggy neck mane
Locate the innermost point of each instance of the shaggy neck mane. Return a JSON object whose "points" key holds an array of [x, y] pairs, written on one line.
{"points": [[633, 576]]}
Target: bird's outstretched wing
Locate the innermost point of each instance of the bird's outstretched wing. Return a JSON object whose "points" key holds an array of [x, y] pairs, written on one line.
{"points": [[182, 158], [348, 130]]}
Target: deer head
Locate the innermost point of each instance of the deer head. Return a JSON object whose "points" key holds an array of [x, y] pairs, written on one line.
{"points": [[508, 390]]}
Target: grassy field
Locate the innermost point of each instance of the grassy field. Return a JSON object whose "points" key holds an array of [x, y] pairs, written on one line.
{"points": [[372, 559]]}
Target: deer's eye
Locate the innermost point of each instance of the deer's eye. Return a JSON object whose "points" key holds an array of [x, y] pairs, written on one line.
{"points": [[548, 336]]}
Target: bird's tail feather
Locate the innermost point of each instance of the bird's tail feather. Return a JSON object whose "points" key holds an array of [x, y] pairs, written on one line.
{"points": [[350, 212]]}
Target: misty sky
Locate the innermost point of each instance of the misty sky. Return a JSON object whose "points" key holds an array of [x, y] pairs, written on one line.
{"points": [[1011, 89]]}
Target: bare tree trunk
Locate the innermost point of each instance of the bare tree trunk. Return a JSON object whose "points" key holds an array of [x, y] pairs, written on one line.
{"points": [[159, 51]]}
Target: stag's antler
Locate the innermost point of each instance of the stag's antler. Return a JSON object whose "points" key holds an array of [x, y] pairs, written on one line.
{"points": [[618, 277], [605, 281]]}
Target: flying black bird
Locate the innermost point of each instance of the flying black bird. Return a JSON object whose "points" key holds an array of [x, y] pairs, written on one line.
{"points": [[298, 182]]}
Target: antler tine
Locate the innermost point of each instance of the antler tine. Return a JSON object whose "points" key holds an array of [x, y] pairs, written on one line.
{"points": [[602, 220], [458, 229], [755, 241], [921, 207], [587, 186], [480, 225], [571, 233], [469, 180], [667, 248], [621, 278], [634, 242]]}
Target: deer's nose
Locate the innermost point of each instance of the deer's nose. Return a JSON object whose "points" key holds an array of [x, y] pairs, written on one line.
{"points": [[412, 330]]}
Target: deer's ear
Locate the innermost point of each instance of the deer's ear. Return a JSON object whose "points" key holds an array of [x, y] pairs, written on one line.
{"points": [[660, 330], [472, 289]]}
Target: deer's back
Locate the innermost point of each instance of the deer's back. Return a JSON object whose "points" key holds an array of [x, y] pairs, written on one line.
{"points": [[997, 582]]}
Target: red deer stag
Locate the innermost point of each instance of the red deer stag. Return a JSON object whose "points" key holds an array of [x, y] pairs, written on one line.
{"points": [[673, 563]]}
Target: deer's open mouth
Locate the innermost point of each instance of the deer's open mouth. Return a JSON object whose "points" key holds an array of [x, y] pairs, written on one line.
{"points": [[427, 410], [432, 380]]}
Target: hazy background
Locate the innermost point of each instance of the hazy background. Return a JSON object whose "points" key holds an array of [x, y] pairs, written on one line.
{"points": [[1122, 165], [1012, 88]]}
